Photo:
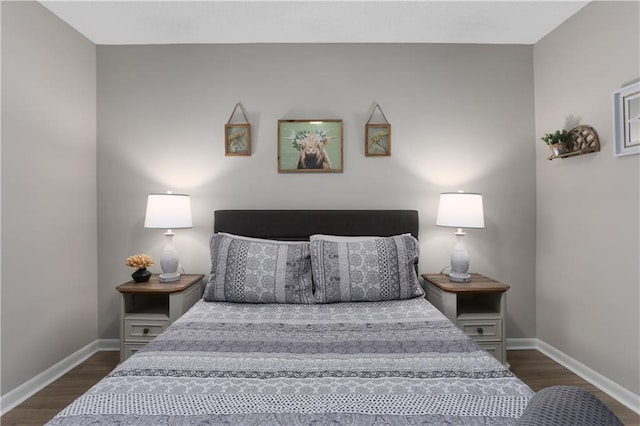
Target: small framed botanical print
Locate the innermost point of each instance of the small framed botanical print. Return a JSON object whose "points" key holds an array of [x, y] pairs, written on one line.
{"points": [[237, 139], [377, 140]]}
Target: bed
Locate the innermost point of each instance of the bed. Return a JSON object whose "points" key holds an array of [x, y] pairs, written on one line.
{"points": [[373, 354]]}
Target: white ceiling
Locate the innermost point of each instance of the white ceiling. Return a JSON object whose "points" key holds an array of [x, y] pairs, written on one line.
{"points": [[337, 21]]}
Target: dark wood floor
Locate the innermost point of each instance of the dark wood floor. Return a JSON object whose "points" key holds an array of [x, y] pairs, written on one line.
{"points": [[532, 367], [539, 371], [45, 404]]}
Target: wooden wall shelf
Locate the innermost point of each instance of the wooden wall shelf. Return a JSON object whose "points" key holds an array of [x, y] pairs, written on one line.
{"points": [[585, 140]]}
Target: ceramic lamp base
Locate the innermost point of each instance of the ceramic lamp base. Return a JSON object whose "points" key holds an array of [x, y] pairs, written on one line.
{"points": [[169, 262], [459, 278], [169, 278], [459, 260]]}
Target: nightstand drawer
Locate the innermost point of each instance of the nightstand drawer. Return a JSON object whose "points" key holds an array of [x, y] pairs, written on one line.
{"points": [[132, 348], [477, 307], [482, 329], [143, 329], [147, 309], [495, 349]]}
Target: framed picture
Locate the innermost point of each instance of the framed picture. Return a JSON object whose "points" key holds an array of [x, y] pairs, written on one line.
{"points": [[626, 120], [310, 146], [377, 141], [237, 139]]}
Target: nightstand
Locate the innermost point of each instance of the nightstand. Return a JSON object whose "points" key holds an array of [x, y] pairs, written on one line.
{"points": [[477, 307], [146, 309]]}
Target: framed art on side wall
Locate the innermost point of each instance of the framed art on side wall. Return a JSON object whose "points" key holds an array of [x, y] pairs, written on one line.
{"points": [[626, 120], [310, 146], [377, 140], [237, 139], [377, 136]]}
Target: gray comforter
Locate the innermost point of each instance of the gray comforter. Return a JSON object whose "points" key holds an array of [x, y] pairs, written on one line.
{"points": [[397, 363]]}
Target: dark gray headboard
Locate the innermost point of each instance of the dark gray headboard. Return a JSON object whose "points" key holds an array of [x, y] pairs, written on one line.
{"points": [[300, 224]]}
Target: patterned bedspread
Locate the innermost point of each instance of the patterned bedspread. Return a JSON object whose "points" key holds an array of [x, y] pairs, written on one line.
{"points": [[395, 363]]}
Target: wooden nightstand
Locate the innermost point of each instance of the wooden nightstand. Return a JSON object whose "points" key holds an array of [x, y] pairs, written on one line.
{"points": [[478, 307], [146, 309]]}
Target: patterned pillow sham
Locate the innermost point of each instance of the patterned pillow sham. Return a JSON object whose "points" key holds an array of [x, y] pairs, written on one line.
{"points": [[366, 271], [249, 271]]}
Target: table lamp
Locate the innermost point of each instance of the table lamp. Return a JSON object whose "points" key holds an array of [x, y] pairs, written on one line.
{"points": [[460, 210], [168, 211]]}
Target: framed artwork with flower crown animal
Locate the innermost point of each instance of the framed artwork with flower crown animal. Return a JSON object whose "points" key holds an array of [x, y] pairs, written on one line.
{"points": [[310, 146]]}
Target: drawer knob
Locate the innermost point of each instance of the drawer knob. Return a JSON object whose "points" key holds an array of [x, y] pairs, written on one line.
{"points": [[479, 330], [146, 331]]}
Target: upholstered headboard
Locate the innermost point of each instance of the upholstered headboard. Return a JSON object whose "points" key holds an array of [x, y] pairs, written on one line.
{"points": [[300, 224]]}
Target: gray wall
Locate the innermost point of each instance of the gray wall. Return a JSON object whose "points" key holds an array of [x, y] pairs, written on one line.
{"points": [[588, 278], [49, 249], [462, 116]]}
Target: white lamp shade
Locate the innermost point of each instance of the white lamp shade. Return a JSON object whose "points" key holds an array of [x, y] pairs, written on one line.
{"points": [[460, 210], [168, 211]]}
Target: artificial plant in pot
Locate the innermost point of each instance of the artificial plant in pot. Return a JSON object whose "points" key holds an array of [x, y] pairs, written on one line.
{"points": [[559, 141], [141, 262]]}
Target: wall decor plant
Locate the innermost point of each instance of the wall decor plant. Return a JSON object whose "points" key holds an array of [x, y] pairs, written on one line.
{"points": [[559, 142], [310, 146], [580, 140], [237, 136], [377, 136]]}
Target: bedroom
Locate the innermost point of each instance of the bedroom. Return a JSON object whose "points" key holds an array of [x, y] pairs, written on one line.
{"points": [[123, 121]]}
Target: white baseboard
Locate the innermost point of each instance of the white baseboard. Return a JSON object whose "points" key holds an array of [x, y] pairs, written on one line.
{"points": [[617, 392], [108, 345], [518, 344], [26, 390]]}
